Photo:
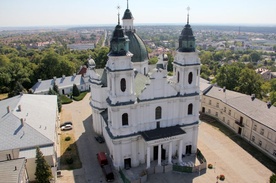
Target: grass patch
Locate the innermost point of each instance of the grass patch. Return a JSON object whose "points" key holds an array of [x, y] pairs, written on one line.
{"points": [[65, 100], [249, 148], [69, 159], [3, 96], [80, 97]]}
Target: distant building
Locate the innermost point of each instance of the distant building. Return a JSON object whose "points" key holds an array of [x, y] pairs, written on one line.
{"points": [[13, 171], [81, 46], [265, 73], [65, 84], [249, 117], [29, 121]]}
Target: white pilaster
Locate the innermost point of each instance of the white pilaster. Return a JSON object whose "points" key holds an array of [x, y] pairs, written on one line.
{"points": [[180, 151], [170, 153], [148, 156], [159, 155]]}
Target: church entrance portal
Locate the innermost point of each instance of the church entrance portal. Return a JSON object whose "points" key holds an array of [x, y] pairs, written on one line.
{"points": [[155, 153], [127, 163], [189, 149]]}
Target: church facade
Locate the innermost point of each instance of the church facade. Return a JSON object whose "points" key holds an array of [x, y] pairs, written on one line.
{"points": [[146, 116]]}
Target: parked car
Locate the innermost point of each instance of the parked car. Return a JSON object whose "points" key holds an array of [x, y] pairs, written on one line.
{"points": [[66, 123], [108, 173], [100, 139], [102, 159], [66, 127]]}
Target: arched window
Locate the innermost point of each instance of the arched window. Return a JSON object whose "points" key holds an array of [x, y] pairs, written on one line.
{"points": [[190, 78], [190, 109], [178, 76], [123, 84], [125, 119], [158, 112]]}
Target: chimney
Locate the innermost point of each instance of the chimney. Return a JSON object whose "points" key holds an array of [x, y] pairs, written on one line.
{"points": [[8, 109], [19, 107], [54, 77], [39, 80], [252, 97], [268, 104], [224, 89], [22, 121], [63, 76], [15, 168]]}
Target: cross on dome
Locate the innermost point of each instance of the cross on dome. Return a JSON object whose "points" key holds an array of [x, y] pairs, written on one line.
{"points": [[188, 9], [118, 8]]}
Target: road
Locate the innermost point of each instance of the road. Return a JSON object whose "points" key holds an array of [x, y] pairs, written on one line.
{"points": [[80, 114]]}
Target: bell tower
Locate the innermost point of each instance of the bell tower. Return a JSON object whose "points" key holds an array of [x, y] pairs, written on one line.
{"points": [[187, 62], [120, 73]]}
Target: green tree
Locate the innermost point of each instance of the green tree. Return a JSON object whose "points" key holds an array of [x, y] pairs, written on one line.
{"points": [[272, 98], [272, 178], [265, 88], [255, 56], [274, 48], [42, 172], [76, 91], [228, 76], [153, 60], [273, 84], [218, 55], [55, 88], [170, 65], [205, 57], [249, 82]]}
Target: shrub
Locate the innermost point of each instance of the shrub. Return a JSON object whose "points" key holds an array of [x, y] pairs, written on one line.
{"points": [[221, 177], [68, 138], [76, 91], [210, 166]]}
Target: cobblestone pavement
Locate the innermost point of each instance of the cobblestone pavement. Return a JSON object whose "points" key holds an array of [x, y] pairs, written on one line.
{"points": [[227, 157]]}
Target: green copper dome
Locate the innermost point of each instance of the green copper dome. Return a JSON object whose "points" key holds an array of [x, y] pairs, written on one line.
{"points": [[137, 47], [186, 40], [127, 14], [119, 44]]}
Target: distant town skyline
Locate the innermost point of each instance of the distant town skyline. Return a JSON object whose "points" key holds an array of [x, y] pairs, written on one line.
{"points": [[18, 13]]}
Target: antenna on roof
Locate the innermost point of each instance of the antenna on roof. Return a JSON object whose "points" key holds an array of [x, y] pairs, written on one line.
{"points": [[118, 7], [188, 9]]}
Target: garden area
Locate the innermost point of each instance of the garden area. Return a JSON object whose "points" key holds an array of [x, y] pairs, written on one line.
{"points": [[69, 158]]}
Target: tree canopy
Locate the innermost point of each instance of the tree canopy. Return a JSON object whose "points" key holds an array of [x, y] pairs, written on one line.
{"points": [[43, 172]]}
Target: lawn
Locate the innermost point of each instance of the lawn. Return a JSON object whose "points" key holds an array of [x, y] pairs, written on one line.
{"points": [[69, 158], [257, 154], [80, 97]]}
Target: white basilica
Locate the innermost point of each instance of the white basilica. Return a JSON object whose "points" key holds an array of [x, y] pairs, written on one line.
{"points": [[145, 116]]}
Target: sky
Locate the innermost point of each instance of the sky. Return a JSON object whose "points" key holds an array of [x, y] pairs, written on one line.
{"points": [[22, 13]]}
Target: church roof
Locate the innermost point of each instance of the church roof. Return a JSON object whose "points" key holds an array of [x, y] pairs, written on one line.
{"points": [[160, 133], [137, 47], [256, 108], [127, 14], [62, 82], [38, 113]]}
